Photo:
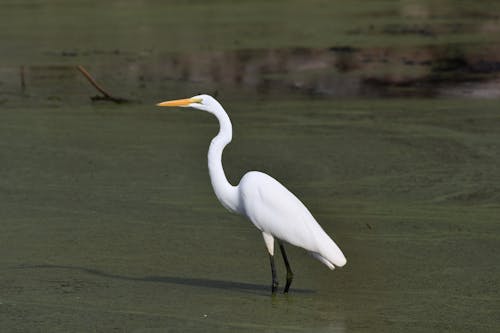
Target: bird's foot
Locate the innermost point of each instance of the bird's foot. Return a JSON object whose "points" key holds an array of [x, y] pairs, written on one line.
{"points": [[274, 287], [289, 279]]}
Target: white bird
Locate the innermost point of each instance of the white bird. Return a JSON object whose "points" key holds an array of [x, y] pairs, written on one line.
{"points": [[273, 209]]}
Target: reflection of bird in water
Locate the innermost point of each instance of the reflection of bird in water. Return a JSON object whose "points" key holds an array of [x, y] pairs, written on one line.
{"points": [[274, 210]]}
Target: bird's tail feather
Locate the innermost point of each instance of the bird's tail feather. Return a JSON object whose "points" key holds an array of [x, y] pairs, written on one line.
{"points": [[331, 252], [323, 260]]}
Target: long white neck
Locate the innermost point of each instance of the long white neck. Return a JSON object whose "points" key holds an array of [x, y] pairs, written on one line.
{"points": [[225, 192]]}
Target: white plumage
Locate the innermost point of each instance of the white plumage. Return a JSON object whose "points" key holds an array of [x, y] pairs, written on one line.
{"points": [[273, 209], [279, 213]]}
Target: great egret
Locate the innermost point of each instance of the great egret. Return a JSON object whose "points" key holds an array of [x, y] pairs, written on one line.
{"points": [[274, 210]]}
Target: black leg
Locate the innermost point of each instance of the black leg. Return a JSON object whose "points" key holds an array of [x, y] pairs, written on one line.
{"points": [[274, 285], [289, 273]]}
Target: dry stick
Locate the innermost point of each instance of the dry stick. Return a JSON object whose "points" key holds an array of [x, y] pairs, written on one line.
{"points": [[23, 82], [107, 96]]}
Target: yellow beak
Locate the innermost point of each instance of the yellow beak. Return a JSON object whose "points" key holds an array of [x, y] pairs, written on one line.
{"points": [[180, 102]]}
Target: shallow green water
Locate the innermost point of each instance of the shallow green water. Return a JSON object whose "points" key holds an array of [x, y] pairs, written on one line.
{"points": [[108, 221]]}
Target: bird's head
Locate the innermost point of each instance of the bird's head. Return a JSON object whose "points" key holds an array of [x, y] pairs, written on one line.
{"points": [[201, 102]]}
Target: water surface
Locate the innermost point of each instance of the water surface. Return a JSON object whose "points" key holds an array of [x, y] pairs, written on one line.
{"points": [[382, 119]]}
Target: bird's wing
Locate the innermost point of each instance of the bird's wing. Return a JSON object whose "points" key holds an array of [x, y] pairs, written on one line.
{"points": [[277, 211]]}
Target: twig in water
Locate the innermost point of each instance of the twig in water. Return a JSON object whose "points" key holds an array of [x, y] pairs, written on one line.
{"points": [[106, 96], [23, 81]]}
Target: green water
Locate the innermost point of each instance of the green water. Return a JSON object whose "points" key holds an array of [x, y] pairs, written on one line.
{"points": [[108, 220]]}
